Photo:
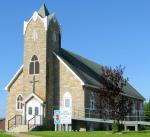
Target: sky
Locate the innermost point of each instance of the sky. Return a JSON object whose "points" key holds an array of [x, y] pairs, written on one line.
{"points": [[109, 32]]}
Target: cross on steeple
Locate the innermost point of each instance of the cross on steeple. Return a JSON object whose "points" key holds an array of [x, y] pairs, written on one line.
{"points": [[33, 82]]}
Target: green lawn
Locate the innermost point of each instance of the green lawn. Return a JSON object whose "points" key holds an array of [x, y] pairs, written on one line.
{"points": [[89, 134], [2, 134]]}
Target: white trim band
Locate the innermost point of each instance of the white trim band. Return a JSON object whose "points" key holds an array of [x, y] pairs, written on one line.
{"points": [[59, 58], [14, 78]]}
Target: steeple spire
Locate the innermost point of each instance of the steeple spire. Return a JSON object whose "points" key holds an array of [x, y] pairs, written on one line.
{"points": [[43, 11]]}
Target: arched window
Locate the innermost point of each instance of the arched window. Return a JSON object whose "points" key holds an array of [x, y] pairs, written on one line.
{"points": [[19, 102], [133, 107], [67, 100], [34, 65], [92, 101]]}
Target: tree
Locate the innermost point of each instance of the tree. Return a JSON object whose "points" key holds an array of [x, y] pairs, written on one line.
{"points": [[147, 111], [113, 103]]}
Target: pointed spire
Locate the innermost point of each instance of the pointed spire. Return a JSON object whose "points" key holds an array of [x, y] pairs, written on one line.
{"points": [[43, 11]]}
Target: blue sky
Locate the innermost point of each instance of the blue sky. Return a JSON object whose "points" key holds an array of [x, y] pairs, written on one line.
{"points": [[110, 32]]}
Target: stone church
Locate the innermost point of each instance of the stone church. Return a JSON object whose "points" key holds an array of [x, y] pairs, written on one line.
{"points": [[52, 77]]}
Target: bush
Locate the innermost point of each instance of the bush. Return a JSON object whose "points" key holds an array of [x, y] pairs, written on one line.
{"points": [[146, 127], [116, 127]]}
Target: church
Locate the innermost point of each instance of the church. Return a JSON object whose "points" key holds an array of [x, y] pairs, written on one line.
{"points": [[52, 77]]}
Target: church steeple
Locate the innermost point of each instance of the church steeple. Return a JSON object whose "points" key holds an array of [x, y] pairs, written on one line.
{"points": [[43, 11]]}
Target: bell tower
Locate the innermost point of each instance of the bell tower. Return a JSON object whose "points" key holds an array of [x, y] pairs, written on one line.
{"points": [[42, 38]]}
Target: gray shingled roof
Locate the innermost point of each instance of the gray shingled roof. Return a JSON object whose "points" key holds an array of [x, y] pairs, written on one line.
{"points": [[90, 71]]}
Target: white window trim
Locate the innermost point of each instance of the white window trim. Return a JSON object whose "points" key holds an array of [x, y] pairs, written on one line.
{"points": [[66, 105], [31, 111], [67, 95], [17, 103], [34, 68]]}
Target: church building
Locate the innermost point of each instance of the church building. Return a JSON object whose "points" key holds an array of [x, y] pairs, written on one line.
{"points": [[52, 77]]}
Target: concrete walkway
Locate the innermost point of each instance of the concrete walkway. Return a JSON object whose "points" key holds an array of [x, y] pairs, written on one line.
{"points": [[21, 135]]}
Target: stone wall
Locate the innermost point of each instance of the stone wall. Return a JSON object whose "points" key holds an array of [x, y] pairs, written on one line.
{"points": [[15, 90], [52, 73], [69, 83], [35, 47]]}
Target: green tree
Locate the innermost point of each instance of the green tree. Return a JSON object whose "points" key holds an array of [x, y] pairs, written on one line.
{"points": [[147, 111]]}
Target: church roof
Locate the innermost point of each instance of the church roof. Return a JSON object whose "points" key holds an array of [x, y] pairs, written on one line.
{"points": [[87, 71], [90, 72], [33, 95], [43, 11]]}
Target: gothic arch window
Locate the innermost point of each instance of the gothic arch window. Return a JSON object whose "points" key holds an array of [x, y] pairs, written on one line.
{"points": [[92, 101], [19, 102], [133, 107], [67, 100], [34, 66]]}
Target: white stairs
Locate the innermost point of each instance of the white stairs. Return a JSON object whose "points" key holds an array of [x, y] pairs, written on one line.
{"points": [[16, 124]]}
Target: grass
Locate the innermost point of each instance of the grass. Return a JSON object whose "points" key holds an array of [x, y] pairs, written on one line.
{"points": [[90, 134], [3, 134]]}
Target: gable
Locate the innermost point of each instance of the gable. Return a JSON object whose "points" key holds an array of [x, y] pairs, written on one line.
{"points": [[33, 96], [65, 64], [14, 78]]}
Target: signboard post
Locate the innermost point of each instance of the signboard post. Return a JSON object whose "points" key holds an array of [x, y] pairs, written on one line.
{"points": [[57, 121], [63, 117]]}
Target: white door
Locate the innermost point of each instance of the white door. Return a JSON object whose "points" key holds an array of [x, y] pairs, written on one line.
{"points": [[34, 112]]}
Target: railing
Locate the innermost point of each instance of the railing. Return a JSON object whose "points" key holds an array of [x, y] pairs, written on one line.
{"points": [[14, 121], [35, 121], [99, 114], [29, 123]]}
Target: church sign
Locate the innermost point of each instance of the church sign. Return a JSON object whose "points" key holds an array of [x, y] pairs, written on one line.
{"points": [[57, 117], [62, 116], [65, 116]]}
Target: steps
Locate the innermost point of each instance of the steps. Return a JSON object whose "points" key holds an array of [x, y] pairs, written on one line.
{"points": [[19, 128]]}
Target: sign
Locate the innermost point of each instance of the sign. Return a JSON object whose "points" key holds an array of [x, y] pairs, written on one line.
{"points": [[65, 116], [57, 117]]}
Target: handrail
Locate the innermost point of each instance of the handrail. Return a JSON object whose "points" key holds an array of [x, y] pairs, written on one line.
{"points": [[34, 122], [29, 122], [10, 121], [96, 113], [13, 121]]}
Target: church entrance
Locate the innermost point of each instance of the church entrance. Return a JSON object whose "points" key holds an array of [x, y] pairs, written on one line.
{"points": [[34, 111]]}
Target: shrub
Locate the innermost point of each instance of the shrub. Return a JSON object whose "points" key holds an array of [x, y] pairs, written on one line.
{"points": [[116, 127]]}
